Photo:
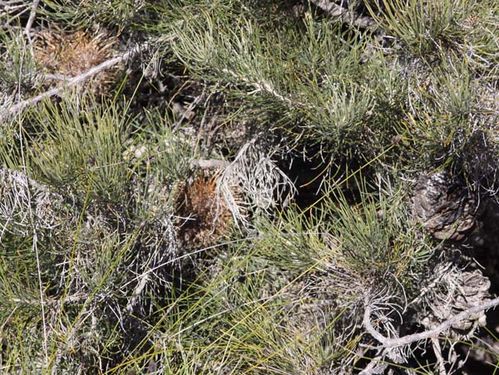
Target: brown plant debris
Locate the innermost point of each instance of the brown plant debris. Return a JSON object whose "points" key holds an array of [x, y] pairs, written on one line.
{"points": [[64, 55], [204, 217]]}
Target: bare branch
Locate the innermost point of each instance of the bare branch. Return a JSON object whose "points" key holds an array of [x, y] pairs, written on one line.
{"points": [[209, 164], [19, 107], [31, 19], [375, 366], [433, 333], [438, 353]]}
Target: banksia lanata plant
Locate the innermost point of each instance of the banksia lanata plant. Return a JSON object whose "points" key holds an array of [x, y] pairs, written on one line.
{"points": [[335, 162]]}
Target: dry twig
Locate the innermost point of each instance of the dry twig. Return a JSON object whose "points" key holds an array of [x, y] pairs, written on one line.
{"points": [[387, 342], [31, 19], [388, 345], [258, 178], [19, 107], [438, 353], [209, 164]]}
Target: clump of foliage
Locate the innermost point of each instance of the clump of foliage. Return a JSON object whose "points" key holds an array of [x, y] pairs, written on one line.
{"points": [[288, 187]]}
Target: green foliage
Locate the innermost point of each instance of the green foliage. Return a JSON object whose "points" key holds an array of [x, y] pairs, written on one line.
{"points": [[312, 72], [17, 72], [81, 146], [422, 26], [373, 240], [236, 323], [429, 28], [81, 13]]}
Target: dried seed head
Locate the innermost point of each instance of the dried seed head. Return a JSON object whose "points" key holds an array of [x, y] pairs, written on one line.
{"points": [[65, 55], [204, 217]]}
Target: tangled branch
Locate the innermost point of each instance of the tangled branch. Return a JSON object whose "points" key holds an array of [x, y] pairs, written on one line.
{"points": [[387, 342], [260, 180]]}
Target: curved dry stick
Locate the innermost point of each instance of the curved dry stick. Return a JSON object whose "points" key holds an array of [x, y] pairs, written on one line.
{"points": [[387, 342], [19, 107], [31, 19]]}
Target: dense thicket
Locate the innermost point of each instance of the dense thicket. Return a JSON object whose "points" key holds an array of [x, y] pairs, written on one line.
{"points": [[244, 186]]}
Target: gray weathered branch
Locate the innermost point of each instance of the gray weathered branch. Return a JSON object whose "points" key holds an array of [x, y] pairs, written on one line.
{"points": [[387, 342], [19, 107]]}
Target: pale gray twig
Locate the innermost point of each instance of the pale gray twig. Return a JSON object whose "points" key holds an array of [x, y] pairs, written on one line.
{"points": [[258, 178], [19, 107], [438, 353], [10, 7], [375, 366], [387, 342], [209, 164], [31, 19]]}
